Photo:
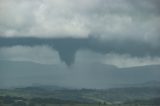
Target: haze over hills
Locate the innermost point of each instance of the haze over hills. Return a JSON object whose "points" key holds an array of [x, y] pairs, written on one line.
{"points": [[79, 76], [113, 95]]}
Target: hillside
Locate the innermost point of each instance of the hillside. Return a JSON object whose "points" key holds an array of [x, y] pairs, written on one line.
{"points": [[86, 95]]}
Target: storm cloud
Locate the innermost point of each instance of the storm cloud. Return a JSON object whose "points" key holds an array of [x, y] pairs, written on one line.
{"points": [[107, 19], [68, 47], [122, 27], [79, 43]]}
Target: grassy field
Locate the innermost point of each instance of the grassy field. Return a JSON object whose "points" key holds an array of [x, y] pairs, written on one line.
{"points": [[84, 97]]}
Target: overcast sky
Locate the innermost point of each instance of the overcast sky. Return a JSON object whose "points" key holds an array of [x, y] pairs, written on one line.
{"points": [[129, 27], [122, 33], [106, 19]]}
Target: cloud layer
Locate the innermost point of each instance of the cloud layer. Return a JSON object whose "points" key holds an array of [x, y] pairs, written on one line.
{"points": [[126, 28], [37, 54], [68, 47], [120, 19], [48, 56]]}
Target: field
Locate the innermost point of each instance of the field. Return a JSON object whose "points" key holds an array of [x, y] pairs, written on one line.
{"points": [[49, 96]]}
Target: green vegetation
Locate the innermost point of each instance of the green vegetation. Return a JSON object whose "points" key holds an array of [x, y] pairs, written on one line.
{"points": [[20, 101], [41, 96]]}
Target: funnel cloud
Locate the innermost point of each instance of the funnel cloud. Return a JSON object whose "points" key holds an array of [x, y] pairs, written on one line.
{"points": [[80, 35]]}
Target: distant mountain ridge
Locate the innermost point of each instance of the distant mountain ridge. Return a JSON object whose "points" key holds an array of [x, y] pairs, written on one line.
{"points": [[98, 76], [87, 95]]}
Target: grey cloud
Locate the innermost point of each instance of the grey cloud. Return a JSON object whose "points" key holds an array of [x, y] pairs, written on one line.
{"points": [[103, 26], [149, 6], [47, 55], [67, 47], [118, 60], [36, 54], [80, 18]]}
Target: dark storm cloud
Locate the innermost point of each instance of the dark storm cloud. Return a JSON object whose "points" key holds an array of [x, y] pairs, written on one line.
{"points": [[67, 47], [102, 26], [101, 38], [80, 18]]}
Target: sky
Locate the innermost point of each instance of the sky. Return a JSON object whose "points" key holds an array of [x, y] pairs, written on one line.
{"points": [[68, 33]]}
